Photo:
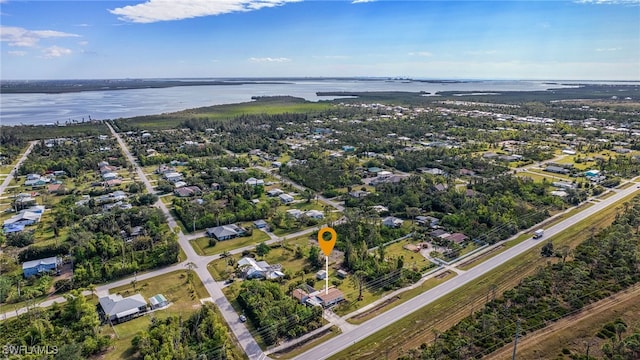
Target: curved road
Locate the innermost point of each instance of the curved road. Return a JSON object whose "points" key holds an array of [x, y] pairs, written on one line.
{"points": [[376, 324]]}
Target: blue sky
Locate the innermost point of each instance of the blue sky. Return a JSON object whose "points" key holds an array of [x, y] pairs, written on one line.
{"points": [[582, 39]]}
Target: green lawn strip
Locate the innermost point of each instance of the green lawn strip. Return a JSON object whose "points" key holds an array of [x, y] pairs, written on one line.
{"points": [[402, 297], [307, 345], [201, 245], [625, 185], [184, 298], [451, 308], [606, 195]]}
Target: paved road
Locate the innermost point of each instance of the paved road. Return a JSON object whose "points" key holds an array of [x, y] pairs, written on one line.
{"points": [[199, 263], [376, 324], [12, 173]]}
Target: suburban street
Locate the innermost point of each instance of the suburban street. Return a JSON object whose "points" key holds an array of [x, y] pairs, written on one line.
{"points": [[351, 334], [348, 338], [12, 173], [247, 342]]}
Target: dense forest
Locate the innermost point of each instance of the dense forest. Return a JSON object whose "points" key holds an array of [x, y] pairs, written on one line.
{"points": [[604, 264], [70, 331], [203, 335]]}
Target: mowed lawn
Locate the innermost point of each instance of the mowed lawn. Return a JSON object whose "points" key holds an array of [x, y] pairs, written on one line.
{"points": [[183, 295], [202, 247]]}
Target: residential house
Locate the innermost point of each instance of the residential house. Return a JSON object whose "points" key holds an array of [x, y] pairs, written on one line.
{"points": [[261, 224], [427, 221], [158, 301], [432, 171], [254, 182], [173, 176], [358, 194], [252, 269], [300, 295], [295, 213], [328, 298], [179, 184], [380, 208], [24, 218], [441, 187], [314, 214], [457, 238], [55, 189], [439, 233], [275, 192], [225, 232], [115, 309], [391, 221], [109, 176], [187, 191], [40, 266], [564, 185], [113, 182], [466, 172], [286, 198], [556, 169]]}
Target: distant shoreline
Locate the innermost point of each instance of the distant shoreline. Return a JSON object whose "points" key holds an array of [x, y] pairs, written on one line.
{"points": [[69, 86]]}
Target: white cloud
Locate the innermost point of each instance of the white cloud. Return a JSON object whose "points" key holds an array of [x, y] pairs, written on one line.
{"points": [[362, 1], [17, 53], [269, 59], [55, 51], [607, 49], [83, 43], [17, 36], [420, 53], [166, 10]]}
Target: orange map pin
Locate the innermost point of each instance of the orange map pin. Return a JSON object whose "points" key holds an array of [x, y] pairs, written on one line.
{"points": [[327, 245]]}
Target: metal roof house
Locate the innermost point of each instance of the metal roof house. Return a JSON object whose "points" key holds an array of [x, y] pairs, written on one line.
{"points": [[35, 267], [117, 309]]}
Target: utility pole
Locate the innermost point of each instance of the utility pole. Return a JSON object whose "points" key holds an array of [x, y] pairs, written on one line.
{"points": [[515, 343]]}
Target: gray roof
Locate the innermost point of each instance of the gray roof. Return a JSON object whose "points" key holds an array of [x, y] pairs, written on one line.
{"points": [[224, 231], [114, 304], [46, 261]]}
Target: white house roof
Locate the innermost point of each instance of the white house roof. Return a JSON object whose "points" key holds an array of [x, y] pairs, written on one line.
{"points": [[314, 214], [33, 263], [115, 304]]}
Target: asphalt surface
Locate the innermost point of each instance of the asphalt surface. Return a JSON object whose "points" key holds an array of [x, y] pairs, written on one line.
{"points": [[378, 323]]}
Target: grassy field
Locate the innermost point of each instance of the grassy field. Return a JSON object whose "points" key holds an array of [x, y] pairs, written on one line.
{"points": [[308, 345], [570, 336], [417, 328], [223, 112], [201, 245], [184, 298]]}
